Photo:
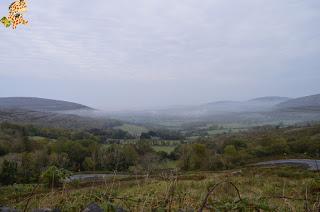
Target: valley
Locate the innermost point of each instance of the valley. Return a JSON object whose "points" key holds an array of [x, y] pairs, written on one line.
{"points": [[65, 159]]}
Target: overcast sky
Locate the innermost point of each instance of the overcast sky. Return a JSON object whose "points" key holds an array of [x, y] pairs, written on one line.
{"points": [[128, 54]]}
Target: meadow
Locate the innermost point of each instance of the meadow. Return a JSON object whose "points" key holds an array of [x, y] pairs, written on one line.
{"points": [[247, 189]]}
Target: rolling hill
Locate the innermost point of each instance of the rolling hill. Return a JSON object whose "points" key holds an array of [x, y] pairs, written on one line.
{"points": [[253, 105], [262, 110], [217, 108], [40, 104], [303, 103], [51, 113], [55, 120]]}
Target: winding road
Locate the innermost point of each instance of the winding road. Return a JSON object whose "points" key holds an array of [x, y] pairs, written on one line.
{"points": [[313, 165], [94, 177]]}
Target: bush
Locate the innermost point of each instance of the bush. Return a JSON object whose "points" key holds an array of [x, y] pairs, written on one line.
{"points": [[88, 164], [194, 157], [54, 176], [314, 186], [230, 150], [3, 150], [8, 174]]}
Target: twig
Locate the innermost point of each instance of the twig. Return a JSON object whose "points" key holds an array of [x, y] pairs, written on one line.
{"points": [[32, 193], [283, 197], [212, 190], [306, 200]]}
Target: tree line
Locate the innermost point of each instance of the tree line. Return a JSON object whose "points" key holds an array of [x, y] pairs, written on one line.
{"points": [[29, 153]]}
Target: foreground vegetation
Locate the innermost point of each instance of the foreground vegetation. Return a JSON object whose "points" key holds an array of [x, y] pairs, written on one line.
{"points": [[158, 169], [260, 189]]}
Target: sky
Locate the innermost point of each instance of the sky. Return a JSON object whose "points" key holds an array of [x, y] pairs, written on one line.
{"points": [[135, 54]]}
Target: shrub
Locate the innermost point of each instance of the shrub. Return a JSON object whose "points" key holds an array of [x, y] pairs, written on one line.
{"points": [[8, 174], [88, 164], [54, 176]]}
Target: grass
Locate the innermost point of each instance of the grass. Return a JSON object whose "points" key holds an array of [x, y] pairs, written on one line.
{"points": [[167, 149], [264, 189], [40, 138], [132, 129]]}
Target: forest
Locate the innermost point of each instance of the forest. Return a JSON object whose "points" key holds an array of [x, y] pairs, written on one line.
{"points": [[27, 151]]}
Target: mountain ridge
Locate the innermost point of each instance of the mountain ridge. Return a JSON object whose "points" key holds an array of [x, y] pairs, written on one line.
{"points": [[270, 98], [268, 109], [40, 104], [305, 102], [54, 119]]}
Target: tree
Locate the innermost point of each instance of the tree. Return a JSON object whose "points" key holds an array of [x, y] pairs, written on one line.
{"points": [[199, 156], [88, 164], [27, 171], [237, 143], [194, 157], [278, 146], [60, 160], [75, 150], [3, 149], [230, 150], [54, 176], [9, 171], [143, 147], [117, 157]]}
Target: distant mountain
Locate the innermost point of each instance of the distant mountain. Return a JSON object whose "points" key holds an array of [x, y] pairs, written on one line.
{"points": [[269, 109], [263, 110], [252, 105], [222, 107], [40, 104], [274, 99], [56, 120], [218, 112], [52, 113], [303, 103]]}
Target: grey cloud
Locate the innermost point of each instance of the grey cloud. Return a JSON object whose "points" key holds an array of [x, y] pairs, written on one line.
{"points": [[163, 51]]}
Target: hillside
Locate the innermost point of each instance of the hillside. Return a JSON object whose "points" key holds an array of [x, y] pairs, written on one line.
{"points": [[52, 113], [56, 120], [303, 103], [273, 99], [40, 104], [262, 110], [220, 107], [253, 110], [252, 105]]}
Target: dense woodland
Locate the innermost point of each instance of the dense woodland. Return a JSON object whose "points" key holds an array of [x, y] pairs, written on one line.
{"points": [[28, 152]]}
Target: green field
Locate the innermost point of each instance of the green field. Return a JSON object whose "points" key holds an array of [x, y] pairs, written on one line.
{"points": [[40, 138], [167, 149], [134, 130]]}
